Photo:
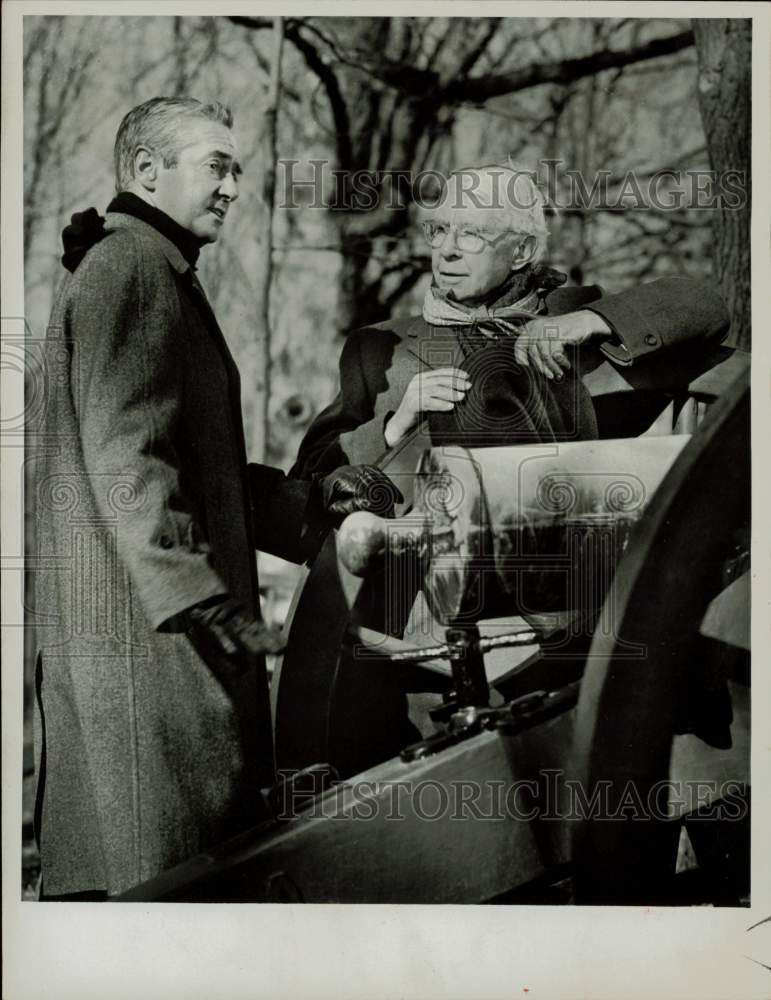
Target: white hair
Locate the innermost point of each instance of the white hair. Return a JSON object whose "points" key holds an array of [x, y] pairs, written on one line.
{"points": [[505, 196]]}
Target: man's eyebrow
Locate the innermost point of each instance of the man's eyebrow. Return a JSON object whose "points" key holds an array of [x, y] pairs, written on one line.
{"points": [[227, 156], [470, 226]]}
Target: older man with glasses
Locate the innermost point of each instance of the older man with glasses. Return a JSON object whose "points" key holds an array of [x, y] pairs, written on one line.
{"points": [[496, 356]]}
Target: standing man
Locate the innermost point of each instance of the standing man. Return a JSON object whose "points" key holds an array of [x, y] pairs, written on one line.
{"points": [[153, 730], [498, 354]]}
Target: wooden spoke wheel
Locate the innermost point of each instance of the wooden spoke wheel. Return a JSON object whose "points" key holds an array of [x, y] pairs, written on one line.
{"points": [[642, 669]]}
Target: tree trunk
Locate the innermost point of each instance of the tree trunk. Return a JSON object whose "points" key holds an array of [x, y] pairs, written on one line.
{"points": [[265, 277], [724, 53]]}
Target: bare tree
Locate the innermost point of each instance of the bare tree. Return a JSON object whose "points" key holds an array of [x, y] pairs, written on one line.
{"points": [[394, 88], [180, 55], [381, 95], [53, 84], [270, 114], [724, 48]]}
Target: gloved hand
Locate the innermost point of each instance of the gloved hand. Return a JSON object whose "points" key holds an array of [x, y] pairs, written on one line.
{"points": [[358, 487], [225, 628]]}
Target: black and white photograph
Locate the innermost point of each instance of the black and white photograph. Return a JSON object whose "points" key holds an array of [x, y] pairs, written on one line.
{"points": [[384, 499]]}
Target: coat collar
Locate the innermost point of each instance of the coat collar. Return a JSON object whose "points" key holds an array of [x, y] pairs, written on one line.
{"points": [[417, 326], [119, 220]]}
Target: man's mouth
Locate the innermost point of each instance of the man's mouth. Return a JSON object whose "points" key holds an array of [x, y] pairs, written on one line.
{"points": [[219, 212]]}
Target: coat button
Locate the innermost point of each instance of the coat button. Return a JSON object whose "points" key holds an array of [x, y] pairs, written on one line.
{"points": [[651, 339]]}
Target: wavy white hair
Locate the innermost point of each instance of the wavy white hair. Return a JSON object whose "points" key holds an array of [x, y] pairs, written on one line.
{"points": [[505, 196]]}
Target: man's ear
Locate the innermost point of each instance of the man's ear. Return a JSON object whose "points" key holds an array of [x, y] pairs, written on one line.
{"points": [[524, 252], [145, 167]]}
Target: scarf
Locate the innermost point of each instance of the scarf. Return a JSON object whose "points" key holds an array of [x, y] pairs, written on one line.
{"points": [[509, 307], [86, 229], [506, 404]]}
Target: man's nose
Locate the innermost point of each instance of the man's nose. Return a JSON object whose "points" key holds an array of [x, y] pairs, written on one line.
{"points": [[449, 247], [229, 187]]}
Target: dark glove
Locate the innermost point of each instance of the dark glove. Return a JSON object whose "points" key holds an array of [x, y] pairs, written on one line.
{"points": [[358, 487], [225, 628]]}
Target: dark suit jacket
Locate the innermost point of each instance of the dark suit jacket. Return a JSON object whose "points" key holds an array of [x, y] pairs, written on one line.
{"points": [[663, 332], [143, 507]]}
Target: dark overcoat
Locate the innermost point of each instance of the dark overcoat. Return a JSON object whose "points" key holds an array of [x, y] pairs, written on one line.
{"points": [[143, 504], [663, 333]]}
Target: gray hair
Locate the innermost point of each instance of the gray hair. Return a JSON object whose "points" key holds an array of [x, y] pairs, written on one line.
{"points": [[155, 124]]}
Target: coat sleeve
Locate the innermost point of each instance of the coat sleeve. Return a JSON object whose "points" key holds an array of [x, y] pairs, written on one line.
{"points": [[124, 320], [661, 314], [347, 432], [288, 518]]}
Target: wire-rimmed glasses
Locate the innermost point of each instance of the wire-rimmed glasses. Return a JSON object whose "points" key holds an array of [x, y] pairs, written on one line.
{"points": [[467, 239]]}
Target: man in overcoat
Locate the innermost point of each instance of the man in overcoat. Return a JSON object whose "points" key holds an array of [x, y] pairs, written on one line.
{"points": [[501, 353], [153, 730]]}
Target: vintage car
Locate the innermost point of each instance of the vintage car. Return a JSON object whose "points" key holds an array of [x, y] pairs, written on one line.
{"points": [[568, 627]]}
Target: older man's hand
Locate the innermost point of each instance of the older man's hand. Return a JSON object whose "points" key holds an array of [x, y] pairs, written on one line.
{"points": [[436, 390], [547, 342]]}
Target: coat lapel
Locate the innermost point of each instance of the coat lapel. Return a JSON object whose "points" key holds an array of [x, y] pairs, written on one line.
{"points": [[188, 279], [424, 347]]}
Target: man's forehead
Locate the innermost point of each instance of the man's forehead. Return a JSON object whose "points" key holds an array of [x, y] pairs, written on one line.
{"points": [[474, 216], [486, 200], [489, 189], [215, 136]]}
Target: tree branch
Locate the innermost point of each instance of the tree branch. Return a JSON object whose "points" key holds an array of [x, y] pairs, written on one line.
{"points": [[255, 23], [326, 75], [423, 83], [477, 50], [565, 71], [406, 284]]}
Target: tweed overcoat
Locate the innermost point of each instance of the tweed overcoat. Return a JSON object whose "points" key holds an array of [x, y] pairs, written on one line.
{"points": [[144, 506], [664, 333]]}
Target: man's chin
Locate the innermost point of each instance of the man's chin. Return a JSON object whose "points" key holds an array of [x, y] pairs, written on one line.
{"points": [[453, 291], [450, 289], [207, 232]]}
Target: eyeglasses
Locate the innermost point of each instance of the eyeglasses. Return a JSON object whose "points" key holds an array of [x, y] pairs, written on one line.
{"points": [[467, 240]]}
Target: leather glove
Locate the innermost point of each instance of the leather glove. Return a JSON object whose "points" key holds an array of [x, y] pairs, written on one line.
{"points": [[358, 487], [225, 628]]}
